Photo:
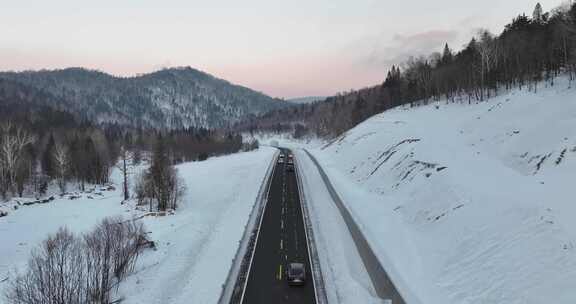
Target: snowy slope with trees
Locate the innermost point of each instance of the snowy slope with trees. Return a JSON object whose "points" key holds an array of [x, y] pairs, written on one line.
{"points": [[194, 246], [528, 50], [468, 203]]}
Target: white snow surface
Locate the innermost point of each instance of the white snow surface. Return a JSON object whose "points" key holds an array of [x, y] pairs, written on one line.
{"points": [[24, 228], [195, 246], [283, 140], [467, 203]]}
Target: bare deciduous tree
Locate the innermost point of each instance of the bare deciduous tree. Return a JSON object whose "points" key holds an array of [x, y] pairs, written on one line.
{"points": [[55, 273], [124, 166], [160, 185], [487, 48], [78, 270], [61, 163], [13, 139]]}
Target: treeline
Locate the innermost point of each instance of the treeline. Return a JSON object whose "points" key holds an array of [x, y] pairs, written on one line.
{"points": [[33, 159], [198, 144], [183, 145], [40, 146], [528, 51]]}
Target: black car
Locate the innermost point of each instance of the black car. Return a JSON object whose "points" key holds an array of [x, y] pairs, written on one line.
{"points": [[296, 274]]}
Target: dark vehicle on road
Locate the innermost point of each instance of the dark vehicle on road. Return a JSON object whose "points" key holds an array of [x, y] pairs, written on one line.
{"points": [[296, 274], [290, 163]]}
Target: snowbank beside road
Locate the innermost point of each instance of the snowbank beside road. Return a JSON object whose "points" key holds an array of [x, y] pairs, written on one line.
{"points": [[345, 277], [468, 203], [195, 246], [198, 243]]}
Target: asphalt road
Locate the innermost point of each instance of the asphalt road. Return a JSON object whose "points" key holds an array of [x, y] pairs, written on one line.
{"points": [[281, 240]]}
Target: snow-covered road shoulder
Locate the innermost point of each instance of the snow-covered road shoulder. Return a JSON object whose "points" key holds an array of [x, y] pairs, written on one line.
{"points": [[344, 275], [197, 245]]}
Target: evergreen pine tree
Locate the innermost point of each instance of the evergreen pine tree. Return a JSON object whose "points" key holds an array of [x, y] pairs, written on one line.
{"points": [[537, 14], [47, 160], [446, 55], [161, 173]]}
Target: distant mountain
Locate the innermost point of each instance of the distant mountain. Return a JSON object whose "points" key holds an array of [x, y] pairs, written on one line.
{"points": [[309, 99], [170, 98], [21, 104]]}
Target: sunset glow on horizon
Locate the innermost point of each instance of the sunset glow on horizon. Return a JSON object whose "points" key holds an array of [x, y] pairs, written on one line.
{"points": [[284, 49]]}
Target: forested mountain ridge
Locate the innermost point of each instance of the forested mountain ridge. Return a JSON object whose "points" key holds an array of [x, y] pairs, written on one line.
{"points": [[170, 98]]}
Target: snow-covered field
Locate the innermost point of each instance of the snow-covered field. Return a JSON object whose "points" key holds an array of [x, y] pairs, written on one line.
{"points": [[468, 203], [27, 226], [195, 246]]}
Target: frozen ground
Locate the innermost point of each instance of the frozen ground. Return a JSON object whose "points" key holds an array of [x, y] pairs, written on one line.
{"points": [[26, 227], [468, 203], [195, 246]]}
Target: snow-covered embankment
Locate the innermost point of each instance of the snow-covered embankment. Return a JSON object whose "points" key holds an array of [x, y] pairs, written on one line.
{"points": [[468, 203]]}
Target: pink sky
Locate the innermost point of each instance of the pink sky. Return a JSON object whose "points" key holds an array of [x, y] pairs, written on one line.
{"points": [[285, 49]]}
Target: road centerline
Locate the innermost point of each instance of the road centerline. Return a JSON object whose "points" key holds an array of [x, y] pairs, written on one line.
{"points": [[268, 257]]}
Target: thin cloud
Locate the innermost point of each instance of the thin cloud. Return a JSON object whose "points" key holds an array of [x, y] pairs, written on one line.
{"points": [[386, 52]]}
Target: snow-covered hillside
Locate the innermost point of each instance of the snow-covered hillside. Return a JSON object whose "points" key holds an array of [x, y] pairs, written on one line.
{"points": [[171, 98], [195, 246], [468, 203]]}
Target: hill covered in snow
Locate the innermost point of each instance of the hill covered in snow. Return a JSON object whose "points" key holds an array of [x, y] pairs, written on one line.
{"points": [[170, 98], [468, 203]]}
